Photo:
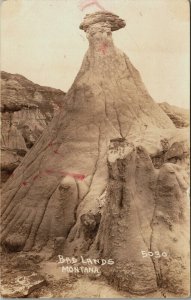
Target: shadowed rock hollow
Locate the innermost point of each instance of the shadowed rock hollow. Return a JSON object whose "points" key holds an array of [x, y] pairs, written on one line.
{"points": [[57, 195]]}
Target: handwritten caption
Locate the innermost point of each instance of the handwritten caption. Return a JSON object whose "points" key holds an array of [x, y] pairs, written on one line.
{"points": [[156, 254], [84, 265]]}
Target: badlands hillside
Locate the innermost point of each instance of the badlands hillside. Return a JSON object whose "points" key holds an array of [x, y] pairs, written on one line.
{"points": [[26, 109]]}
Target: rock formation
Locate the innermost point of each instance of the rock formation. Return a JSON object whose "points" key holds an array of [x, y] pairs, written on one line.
{"points": [[21, 285], [88, 186], [179, 116], [144, 223], [26, 109]]}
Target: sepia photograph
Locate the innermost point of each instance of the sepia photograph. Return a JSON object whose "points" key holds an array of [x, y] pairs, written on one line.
{"points": [[95, 143]]}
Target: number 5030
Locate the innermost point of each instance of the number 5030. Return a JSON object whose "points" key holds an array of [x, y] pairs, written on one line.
{"points": [[154, 254]]}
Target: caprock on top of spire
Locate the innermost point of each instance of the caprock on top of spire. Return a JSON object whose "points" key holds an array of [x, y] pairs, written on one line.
{"points": [[114, 21]]}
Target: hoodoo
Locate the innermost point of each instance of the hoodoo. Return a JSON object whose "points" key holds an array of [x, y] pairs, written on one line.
{"points": [[88, 185]]}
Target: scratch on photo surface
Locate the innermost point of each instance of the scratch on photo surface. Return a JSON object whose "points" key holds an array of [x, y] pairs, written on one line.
{"points": [[88, 3]]}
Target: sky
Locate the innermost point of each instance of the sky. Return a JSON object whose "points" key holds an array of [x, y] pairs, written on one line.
{"points": [[41, 40]]}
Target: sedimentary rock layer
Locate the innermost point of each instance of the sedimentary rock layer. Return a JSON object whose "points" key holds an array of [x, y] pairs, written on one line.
{"points": [[26, 109]]}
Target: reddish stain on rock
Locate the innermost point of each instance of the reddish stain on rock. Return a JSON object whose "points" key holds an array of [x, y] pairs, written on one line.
{"points": [[52, 171], [49, 171], [103, 48], [35, 177], [76, 176]]}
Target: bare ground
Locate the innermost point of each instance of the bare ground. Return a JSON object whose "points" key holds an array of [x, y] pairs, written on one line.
{"points": [[59, 284]]}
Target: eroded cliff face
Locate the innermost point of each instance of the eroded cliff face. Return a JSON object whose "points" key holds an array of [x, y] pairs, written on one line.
{"points": [[179, 116], [26, 109], [69, 181]]}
